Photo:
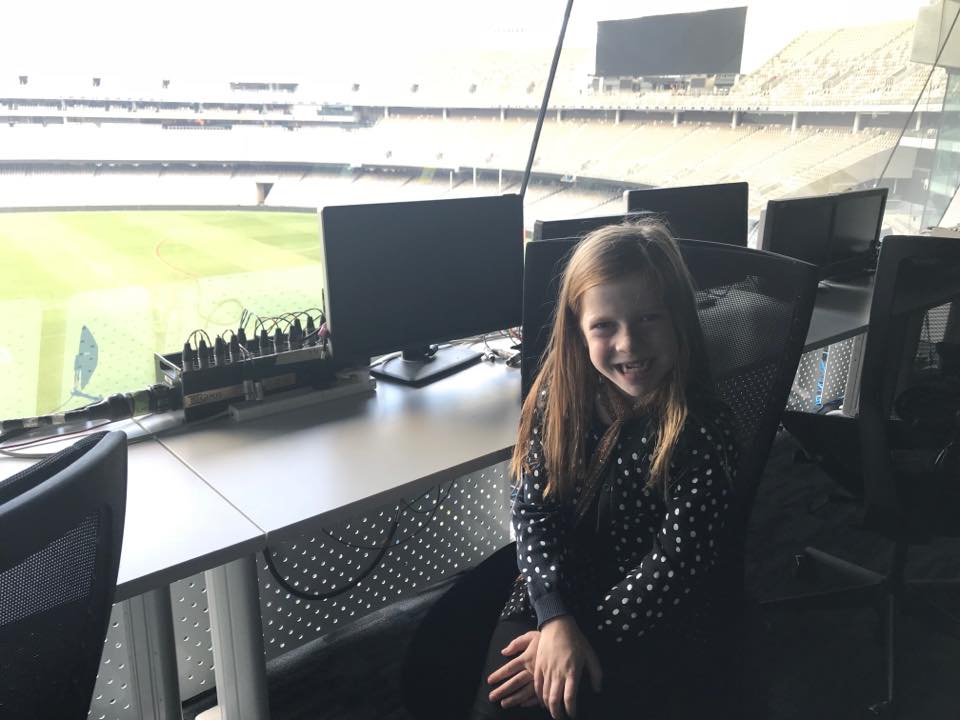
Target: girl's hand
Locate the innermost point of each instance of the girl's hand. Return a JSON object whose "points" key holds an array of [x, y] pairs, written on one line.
{"points": [[517, 675], [563, 653]]}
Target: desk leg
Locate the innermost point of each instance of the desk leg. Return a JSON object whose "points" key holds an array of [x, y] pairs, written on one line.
{"points": [[239, 663], [152, 649], [851, 394]]}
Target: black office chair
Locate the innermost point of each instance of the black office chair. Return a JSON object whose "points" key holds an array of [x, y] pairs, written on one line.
{"points": [[755, 309], [903, 469], [61, 528]]}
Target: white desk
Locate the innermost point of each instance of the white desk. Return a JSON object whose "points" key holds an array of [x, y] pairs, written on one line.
{"points": [[841, 311], [294, 471], [176, 525]]}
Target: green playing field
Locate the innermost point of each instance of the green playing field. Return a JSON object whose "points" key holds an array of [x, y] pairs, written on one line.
{"points": [[140, 282]]}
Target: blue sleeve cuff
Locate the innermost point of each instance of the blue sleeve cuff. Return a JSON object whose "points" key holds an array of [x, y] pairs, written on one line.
{"points": [[548, 607]]}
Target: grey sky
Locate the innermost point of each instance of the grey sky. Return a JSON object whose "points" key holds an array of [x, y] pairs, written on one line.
{"points": [[302, 39]]}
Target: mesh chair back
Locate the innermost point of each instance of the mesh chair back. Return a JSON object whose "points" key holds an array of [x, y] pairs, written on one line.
{"points": [[754, 309], [61, 529], [914, 275]]}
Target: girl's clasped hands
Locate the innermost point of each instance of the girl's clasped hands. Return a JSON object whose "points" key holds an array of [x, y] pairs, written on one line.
{"points": [[547, 669]]}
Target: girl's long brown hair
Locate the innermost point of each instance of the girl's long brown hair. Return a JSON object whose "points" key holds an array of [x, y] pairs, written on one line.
{"points": [[564, 391]]}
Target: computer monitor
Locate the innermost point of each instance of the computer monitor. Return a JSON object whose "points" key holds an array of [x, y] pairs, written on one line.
{"points": [[406, 275], [543, 266], [579, 227], [856, 231], [799, 228], [839, 232], [576, 229], [716, 213]]}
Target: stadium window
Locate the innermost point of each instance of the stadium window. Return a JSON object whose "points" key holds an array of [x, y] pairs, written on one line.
{"points": [[793, 108]]}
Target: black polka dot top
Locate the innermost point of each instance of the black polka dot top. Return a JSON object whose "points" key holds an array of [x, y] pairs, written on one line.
{"points": [[639, 561]]}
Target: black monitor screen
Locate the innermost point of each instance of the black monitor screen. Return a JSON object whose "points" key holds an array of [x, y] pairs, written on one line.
{"points": [[716, 213], [856, 224], [799, 228], [544, 265], [579, 227], [401, 275], [838, 233]]}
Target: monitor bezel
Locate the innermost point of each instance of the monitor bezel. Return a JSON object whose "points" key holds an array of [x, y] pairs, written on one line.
{"points": [[862, 262], [580, 227], [360, 351], [740, 191]]}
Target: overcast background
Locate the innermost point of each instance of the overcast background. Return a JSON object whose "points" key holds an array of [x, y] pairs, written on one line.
{"points": [[297, 40]]}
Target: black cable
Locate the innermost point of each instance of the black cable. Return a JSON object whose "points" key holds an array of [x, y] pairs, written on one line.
{"points": [[429, 510], [323, 315], [21, 450], [13, 433], [62, 405], [432, 512], [382, 550], [203, 333], [267, 555], [156, 398]]}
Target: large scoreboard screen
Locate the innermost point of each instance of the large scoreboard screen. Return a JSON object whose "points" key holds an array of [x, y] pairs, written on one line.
{"points": [[708, 42]]}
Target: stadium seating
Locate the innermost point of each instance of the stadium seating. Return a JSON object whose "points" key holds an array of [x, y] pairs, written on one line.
{"points": [[773, 159], [461, 112], [848, 66]]}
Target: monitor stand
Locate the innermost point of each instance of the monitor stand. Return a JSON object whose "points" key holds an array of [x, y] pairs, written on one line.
{"points": [[419, 366]]}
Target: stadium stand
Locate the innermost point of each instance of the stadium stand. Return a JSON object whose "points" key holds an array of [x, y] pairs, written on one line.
{"points": [[791, 127], [773, 159]]}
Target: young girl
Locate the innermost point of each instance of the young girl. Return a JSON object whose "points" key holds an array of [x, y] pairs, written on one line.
{"points": [[623, 506]]}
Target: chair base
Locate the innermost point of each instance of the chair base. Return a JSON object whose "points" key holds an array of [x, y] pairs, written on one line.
{"points": [[891, 595]]}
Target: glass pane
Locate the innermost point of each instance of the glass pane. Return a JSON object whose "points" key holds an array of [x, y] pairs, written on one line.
{"points": [[161, 182], [816, 103], [158, 183], [918, 199]]}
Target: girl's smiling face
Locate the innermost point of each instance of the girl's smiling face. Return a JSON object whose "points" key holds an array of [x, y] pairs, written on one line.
{"points": [[629, 334]]}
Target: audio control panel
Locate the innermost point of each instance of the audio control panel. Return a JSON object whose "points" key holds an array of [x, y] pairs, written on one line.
{"points": [[282, 354]]}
